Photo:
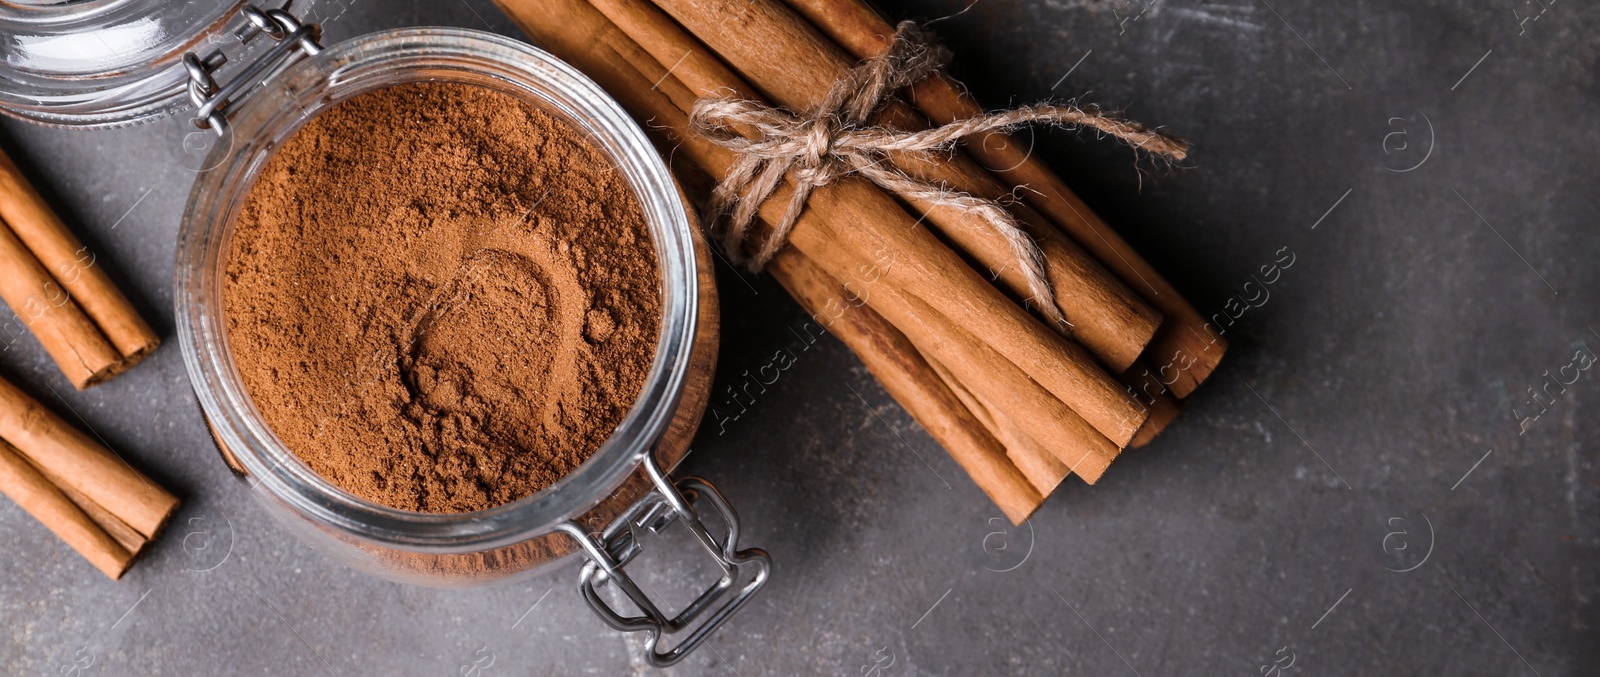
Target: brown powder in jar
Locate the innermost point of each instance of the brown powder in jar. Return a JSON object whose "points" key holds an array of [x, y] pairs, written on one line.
{"points": [[441, 298]]}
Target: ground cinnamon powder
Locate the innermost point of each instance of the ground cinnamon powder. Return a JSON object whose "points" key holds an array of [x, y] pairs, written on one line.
{"points": [[440, 297]]}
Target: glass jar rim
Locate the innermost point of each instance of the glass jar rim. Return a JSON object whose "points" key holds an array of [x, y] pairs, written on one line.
{"points": [[273, 113]]}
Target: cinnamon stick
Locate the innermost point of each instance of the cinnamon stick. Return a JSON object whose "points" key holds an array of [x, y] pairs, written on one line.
{"points": [[29, 489], [1163, 412], [81, 464], [1184, 335], [1042, 469], [1108, 319], [73, 266], [848, 225], [119, 531], [910, 381], [68, 336], [1164, 408]]}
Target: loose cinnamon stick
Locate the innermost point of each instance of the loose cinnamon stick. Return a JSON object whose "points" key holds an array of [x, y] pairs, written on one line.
{"points": [[1183, 336], [82, 464], [1108, 318], [1043, 470], [38, 227], [119, 531], [72, 340], [910, 381], [848, 225], [29, 489]]}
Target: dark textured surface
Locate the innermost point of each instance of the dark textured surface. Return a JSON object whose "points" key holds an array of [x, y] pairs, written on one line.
{"points": [[1389, 359]]}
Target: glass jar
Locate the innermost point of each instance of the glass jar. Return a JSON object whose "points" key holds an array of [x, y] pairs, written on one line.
{"points": [[110, 63], [596, 513]]}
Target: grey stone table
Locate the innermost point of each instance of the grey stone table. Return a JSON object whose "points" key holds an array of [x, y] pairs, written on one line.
{"points": [[1362, 488]]}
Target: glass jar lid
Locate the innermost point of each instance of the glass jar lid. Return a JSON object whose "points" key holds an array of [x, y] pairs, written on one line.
{"points": [[109, 63]]}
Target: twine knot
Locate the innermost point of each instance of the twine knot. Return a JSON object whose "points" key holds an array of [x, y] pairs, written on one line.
{"points": [[816, 164], [835, 140]]}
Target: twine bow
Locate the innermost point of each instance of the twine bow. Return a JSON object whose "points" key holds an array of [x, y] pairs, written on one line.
{"points": [[835, 140]]}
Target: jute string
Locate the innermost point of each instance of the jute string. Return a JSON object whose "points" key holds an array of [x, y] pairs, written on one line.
{"points": [[835, 140]]}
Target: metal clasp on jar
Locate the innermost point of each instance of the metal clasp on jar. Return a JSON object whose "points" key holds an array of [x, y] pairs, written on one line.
{"points": [[211, 100], [611, 550]]}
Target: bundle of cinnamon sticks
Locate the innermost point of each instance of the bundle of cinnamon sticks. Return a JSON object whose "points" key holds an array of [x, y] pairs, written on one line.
{"points": [[57, 292], [1018, 403], [85, 494]]}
